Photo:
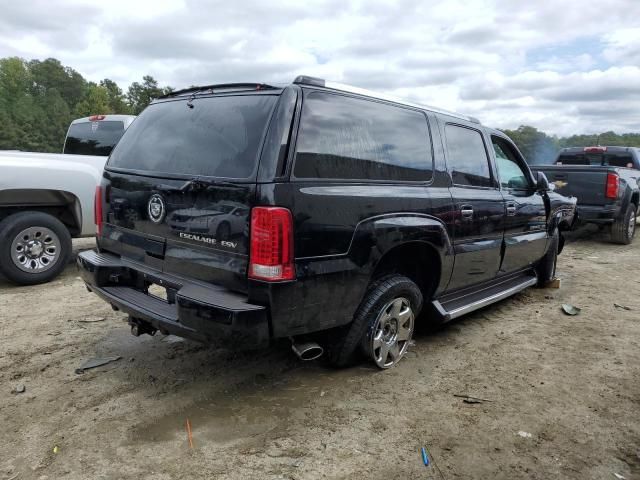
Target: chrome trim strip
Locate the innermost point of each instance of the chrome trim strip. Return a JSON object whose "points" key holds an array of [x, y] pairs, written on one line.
{"points": [[458, 312]]}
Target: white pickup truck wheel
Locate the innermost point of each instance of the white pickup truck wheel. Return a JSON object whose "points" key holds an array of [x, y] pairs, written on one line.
{"points": [[34, 247]]}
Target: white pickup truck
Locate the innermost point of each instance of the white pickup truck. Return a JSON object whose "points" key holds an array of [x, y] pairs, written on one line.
{"points": [[46, 198]]}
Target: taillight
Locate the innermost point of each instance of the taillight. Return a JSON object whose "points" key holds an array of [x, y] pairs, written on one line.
{"points": [[613, 183], [97, 210], [271, 255], [96, 118]]}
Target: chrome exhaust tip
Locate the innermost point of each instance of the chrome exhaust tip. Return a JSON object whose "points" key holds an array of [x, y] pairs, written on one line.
{"points": [[307, 351]]}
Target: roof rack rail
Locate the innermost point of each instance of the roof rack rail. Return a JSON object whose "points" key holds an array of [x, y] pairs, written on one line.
{"points": [[219, 86], [320, 82]]}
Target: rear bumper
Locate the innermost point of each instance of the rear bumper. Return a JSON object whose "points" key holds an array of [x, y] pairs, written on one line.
{"points": [[199, 311], [597, 214]]}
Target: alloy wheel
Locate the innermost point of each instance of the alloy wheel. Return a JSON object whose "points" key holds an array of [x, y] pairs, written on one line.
{"points": [[391, 333]]}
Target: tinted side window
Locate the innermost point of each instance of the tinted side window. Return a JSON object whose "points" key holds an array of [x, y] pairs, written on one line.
{"points": [[348, 138], [467, 159]]}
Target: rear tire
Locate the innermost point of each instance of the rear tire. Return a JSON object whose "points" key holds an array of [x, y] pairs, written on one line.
{"points": [[389, 308], [623, 229], [34, 247], [546, 269]]}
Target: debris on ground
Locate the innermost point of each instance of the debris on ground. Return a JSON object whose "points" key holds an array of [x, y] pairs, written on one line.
{"points": [[425, 457], [92, 319], [619, 477], [20, 388], [189, 433], [570, 309], [524, 434], [555, 283], [172, 339], [623, 307], [470, 399], [96, 362]]}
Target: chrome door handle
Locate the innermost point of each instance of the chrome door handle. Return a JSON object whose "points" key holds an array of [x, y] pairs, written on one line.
{"points": [[511, 209], [466, 211]]}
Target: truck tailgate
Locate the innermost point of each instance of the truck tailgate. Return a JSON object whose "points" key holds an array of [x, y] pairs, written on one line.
{"points": [[587, 183]]}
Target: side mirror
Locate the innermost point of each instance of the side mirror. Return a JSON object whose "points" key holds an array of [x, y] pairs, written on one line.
{"points": [[542, 182]]}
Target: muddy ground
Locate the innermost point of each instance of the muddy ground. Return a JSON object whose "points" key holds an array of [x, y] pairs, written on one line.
{"points": [[571, 385]]}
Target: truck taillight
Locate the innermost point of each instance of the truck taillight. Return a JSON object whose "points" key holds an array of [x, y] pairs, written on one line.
{"points": [[97, 210], [613, 184], [271, 254]]}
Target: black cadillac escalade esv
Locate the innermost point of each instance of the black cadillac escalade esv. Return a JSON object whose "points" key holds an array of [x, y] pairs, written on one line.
{"points": [[241, 213]]}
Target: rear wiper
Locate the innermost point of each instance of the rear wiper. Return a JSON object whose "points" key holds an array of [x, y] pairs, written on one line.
{"points": [[199, 183]]}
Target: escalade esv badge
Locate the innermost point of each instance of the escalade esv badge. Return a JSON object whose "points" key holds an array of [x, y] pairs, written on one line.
{"points": [[156, 209]]}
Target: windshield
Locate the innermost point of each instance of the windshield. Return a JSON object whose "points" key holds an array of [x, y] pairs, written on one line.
{"points": [[212, 136], [93, 138]]}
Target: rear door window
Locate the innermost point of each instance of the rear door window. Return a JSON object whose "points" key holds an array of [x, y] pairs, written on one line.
{"points": [[355, 139], [206, 136], [467, 157], [93, 138]]}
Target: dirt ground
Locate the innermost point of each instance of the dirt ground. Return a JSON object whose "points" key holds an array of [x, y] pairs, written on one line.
{"points": [[562, 394]]}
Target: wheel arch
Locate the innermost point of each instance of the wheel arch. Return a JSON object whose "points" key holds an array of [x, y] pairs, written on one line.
{"points": [[417, 260], [635, 198], [63, 205]]}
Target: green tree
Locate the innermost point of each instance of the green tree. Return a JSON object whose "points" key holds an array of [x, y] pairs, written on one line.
{"points": [[94, 102], [50, 73], [17, 110], [117, 101], [140, 95], [536, 146]]}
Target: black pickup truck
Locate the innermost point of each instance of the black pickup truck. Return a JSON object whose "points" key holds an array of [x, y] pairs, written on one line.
{"points": [[239, 214], [605, 181]]}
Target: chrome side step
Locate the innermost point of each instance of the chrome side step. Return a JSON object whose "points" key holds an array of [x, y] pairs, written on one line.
{"points": [[456, 305]]}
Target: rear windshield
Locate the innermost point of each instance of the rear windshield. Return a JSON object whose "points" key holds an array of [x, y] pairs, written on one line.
{"points": [[211, 136], [93, 138], [612, 159]]}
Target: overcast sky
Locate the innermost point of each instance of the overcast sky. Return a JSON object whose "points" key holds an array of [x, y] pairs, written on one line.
{"points": [[564, 66]]}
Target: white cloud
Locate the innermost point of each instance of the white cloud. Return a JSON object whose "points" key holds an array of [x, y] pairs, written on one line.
{"points": [[470, 55]]}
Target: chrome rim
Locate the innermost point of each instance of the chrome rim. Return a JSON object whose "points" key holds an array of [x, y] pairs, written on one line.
{"points": [[391, 333], [35, 249], [632, 225]]}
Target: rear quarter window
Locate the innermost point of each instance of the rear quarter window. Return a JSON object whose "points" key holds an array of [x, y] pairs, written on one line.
{"points": [[354, 139]]}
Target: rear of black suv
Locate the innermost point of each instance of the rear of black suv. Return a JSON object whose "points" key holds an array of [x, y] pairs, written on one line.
{"points": [[237, 214], [175, 208]]}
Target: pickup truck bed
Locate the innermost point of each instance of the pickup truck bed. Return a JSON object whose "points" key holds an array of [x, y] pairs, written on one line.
{"points": [[607, 194], [588, 184]]}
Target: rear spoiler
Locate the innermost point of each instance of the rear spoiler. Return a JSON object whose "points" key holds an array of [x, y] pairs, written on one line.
{"points": [[219, 86]]}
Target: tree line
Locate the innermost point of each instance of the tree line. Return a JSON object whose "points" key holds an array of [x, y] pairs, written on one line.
{"points": [[40, 98], [540, 148]]}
